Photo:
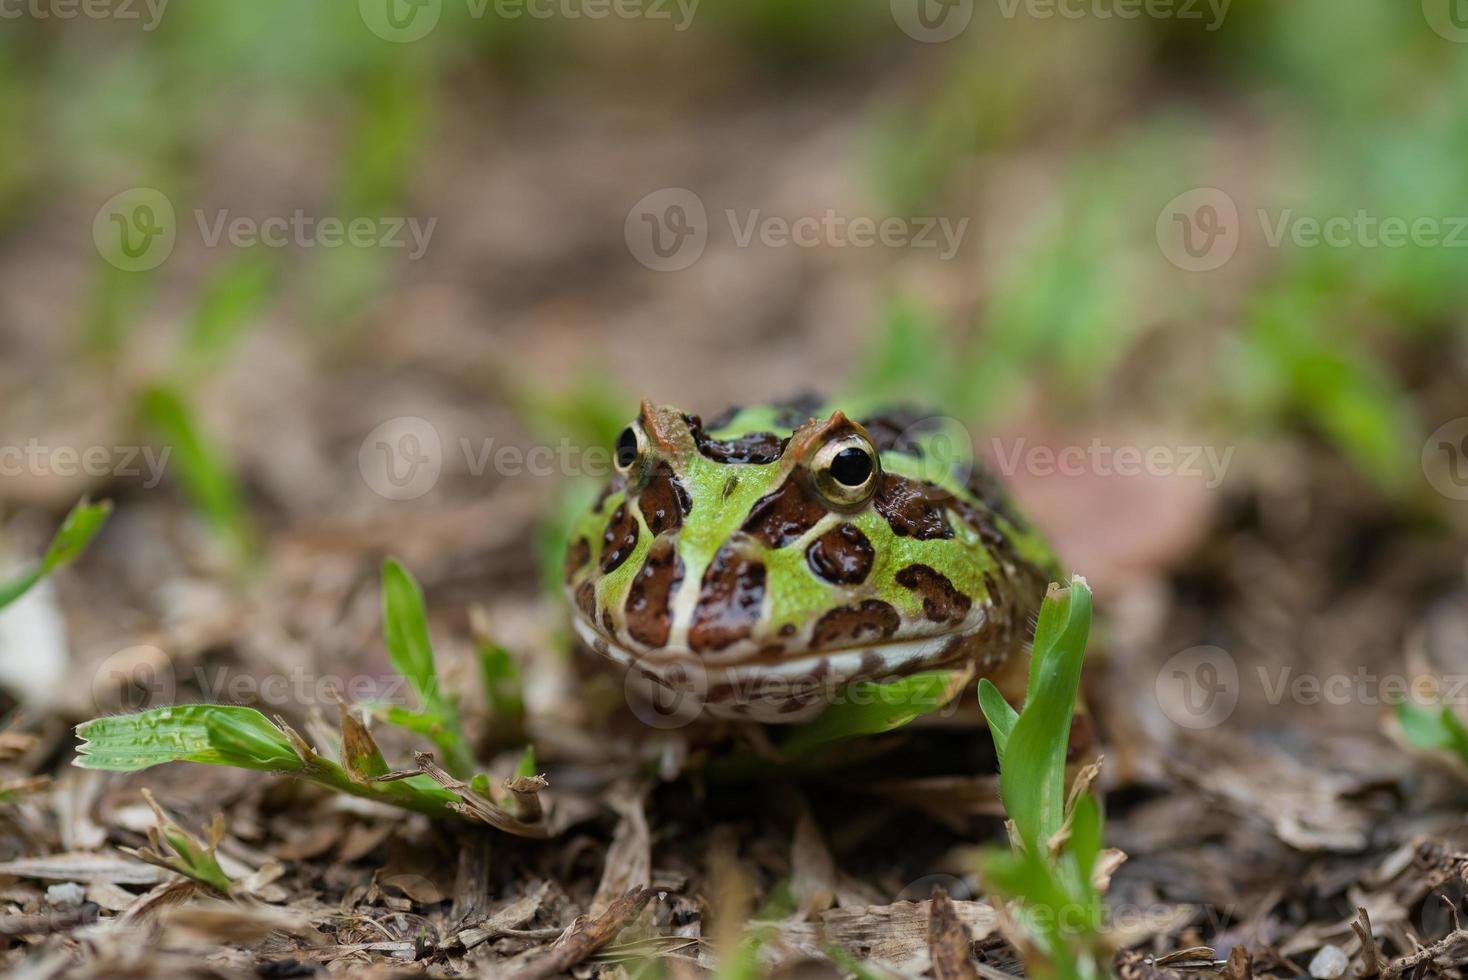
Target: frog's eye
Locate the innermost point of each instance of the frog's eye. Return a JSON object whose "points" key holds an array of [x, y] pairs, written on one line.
{"points": [[846, 470], [631, 445]]}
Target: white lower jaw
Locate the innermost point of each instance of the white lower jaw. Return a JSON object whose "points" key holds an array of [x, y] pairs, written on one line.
{"points": [[784, 691]]}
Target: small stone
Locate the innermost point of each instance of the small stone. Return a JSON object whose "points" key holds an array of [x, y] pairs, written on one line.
{"points": [[65, 896], [1329, 963]]}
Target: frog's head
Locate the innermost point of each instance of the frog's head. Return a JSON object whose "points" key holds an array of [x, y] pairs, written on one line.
{"points": [[780, 544]]}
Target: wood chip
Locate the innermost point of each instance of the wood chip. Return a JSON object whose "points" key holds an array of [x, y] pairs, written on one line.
{"points": [[948, 942]]}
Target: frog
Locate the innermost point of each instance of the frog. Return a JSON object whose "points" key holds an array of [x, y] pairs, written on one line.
{"points": [[770, 557]]}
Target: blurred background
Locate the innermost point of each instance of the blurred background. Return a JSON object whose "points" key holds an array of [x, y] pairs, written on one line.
{"points": [[296, 285]]}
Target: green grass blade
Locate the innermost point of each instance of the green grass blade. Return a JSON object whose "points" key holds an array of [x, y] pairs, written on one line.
{"points": [[1000, 715], [1427, 729], [207, 477], [228, 303], [1032, 784], [1086, 837], [72, 538], [222, 735], [410, 648], [503, 689], [405, 628]]}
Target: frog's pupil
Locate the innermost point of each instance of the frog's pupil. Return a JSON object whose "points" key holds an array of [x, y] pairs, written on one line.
{"points": [[626, 448], [851, 467]]}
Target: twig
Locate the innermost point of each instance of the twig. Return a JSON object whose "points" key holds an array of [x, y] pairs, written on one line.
{"points": [[584, 937], [1370, 953], [1431, 952], [948, 942]]}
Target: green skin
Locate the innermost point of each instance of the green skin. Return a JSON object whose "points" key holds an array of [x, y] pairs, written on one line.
{"points": [[1003, 584]]}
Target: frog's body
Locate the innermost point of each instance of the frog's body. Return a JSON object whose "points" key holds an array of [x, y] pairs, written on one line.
{"points": [[759, 555]]}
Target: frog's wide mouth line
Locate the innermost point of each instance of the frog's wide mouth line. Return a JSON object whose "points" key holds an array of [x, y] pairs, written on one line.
{"points": [[899, 656]]}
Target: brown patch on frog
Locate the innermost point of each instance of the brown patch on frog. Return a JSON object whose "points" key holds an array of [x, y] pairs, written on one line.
{"points": [[788, 629], [724, 418], [912, 508], [942, 603], [985, 486], [851, 625], [586, 600], [730, 485], [664, 501], [619, 540], [895, 430], [996, 596], [794, 412], [780, 517], [616, 484], [729, 599], [608, 624], [576, 557], [649, 616], [751, 447], [841, 556]]}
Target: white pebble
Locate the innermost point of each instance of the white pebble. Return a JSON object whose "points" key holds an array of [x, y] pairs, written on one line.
{"points": [[1329, 963]]}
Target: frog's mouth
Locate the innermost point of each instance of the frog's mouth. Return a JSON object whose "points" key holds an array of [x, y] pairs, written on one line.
{"points": [[751, 683]]}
